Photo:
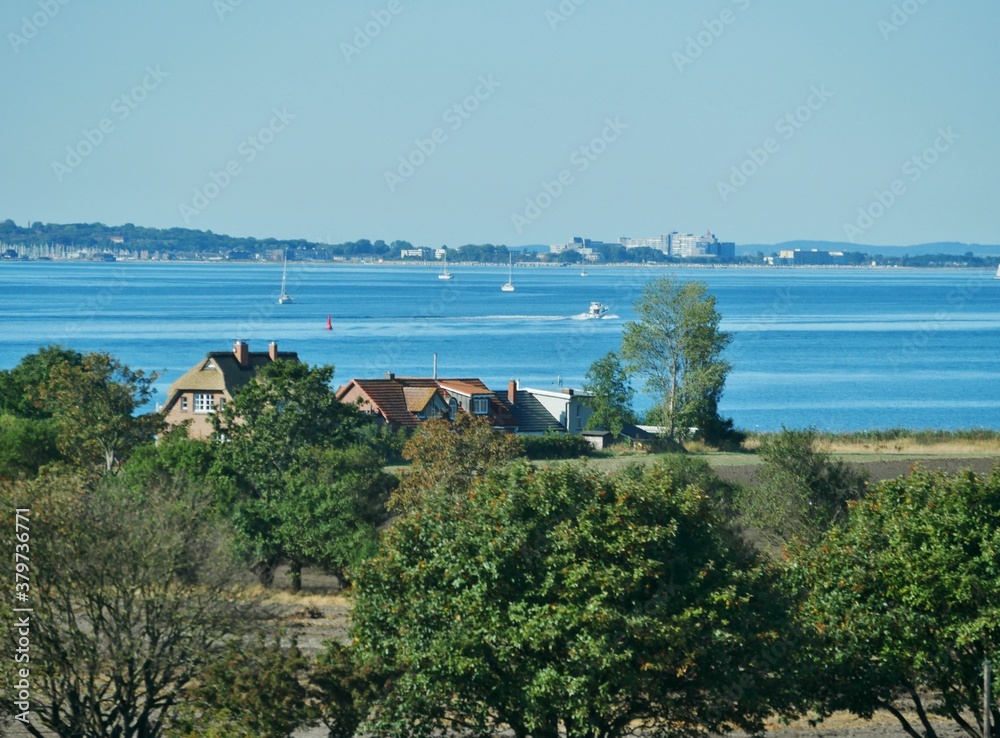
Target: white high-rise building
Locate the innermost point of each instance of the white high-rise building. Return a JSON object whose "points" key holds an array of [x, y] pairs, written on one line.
{"points": [[660, 243], [683, 245]]}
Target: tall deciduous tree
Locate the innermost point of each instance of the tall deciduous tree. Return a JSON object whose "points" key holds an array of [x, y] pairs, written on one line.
{"points": [[612, 394], [93, 404], [296, 490], [130, 593], [905, 594], [675, 344], [559, 599]]}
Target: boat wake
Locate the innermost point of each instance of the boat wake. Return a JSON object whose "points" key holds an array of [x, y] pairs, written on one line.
{"points": [[588, 316], [492, 317]]}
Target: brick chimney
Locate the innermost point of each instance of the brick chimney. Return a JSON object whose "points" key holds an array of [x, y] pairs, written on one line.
{"points": [[272, 350], [242, 351], [512, 391]]}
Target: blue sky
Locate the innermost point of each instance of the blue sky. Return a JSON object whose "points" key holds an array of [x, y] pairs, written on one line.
{"points": [[507, 122]]}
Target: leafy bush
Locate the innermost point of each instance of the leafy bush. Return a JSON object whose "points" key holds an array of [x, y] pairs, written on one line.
{"points": [[556, 446], [255, 690], [25, 446], [801, 490]]}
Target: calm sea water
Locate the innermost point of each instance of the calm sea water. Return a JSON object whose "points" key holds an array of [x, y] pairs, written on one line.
{"points": [[840, 349]]}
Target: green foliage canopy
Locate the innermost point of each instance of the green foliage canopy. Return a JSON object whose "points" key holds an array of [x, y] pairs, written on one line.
{"points": [[611, 402], [905, 595], [295, 489], [450, 455], [676, 345], [562, 598], [93, 404], [801, 490]]}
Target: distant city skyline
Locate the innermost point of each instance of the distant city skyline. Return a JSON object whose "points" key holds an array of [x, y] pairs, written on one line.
{"points": [[518, 123]]}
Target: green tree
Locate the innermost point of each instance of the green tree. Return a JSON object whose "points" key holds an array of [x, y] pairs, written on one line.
{"points": [[905, 595], [612, 394], [675, 344], [26, 445], [18, 394], [330, 509], [344, 691], [174, 457], [801, 490], [562, 599], [292, 485], [253, 690], [93, 405], [451, 455], [130, 594]]}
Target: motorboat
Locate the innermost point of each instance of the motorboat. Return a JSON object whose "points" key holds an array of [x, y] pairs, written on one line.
{"points": [[597, 310]]}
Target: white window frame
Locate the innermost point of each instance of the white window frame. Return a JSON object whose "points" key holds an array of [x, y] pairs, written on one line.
{"points": [[184, 403], [204, 402], [480, 406]]}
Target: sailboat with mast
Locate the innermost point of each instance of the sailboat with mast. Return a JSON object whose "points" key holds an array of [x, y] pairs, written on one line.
{"points": [[284, 298], [509, 287], [444, 274]]}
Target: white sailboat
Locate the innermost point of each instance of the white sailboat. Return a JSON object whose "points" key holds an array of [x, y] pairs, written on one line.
{"points": [[284, 298], [583, 272], [997, 276], [444, 274], [509, 287]]}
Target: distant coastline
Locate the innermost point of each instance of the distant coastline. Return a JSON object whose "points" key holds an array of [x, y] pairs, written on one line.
{"points": [[90, 242]]}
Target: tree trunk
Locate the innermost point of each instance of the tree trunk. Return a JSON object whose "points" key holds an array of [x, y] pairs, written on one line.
{"points": [[265, 572], [295, 575]]}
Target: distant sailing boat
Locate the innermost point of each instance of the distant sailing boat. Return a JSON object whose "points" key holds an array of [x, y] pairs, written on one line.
{"points": [[284, 297], [329, 323], [583, 272], [445, 274], [509, 287], [997, 276]]}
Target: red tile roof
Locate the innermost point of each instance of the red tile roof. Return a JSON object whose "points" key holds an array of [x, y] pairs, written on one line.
{"points": [[389, 397]]}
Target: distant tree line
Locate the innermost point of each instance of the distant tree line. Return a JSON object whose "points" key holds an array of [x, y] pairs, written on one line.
{"points": [[185, 241]]}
